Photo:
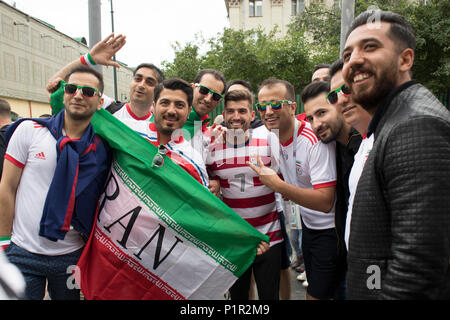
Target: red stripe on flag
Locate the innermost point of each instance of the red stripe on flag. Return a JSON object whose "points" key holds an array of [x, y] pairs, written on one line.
{"points": [[250, 202], [106, 273]]}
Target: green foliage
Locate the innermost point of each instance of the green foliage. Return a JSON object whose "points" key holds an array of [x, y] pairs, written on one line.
{"points": [[314, 38], [430, 22]]}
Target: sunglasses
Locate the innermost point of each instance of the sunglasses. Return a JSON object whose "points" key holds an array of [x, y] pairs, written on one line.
{"points": [[86, 91], [332, 96], [205, 90], [158, 159], [275, 105]]}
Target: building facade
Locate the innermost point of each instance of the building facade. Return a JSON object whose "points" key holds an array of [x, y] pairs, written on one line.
{"points": [[265, 14], [31, 51]]}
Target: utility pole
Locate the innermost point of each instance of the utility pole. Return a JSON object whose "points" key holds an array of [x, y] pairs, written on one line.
{"points": [[347, 16], [114, 58], [95, 25]]}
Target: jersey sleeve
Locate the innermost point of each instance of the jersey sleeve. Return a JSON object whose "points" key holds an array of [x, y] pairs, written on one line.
{"points": [[322, 165], [19, 144]]}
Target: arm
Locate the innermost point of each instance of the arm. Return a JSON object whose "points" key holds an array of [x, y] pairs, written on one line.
{"points": [[319, 199], [102, 53], [8, 188]]}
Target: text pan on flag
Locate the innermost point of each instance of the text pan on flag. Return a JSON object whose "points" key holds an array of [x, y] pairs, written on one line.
{"points": [[160, 234]]}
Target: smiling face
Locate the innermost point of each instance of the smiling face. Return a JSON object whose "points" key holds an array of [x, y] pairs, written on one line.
{"points": [[371, 64], [78, 106], [171, 111], [325, 119], [204, 103], [238, 115], [282, 119], [143, 86]]}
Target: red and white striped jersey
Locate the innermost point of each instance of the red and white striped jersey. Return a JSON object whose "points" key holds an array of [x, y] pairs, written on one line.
{"points": [[241, 188]]}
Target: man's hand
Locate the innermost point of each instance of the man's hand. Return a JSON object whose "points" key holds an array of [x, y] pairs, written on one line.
{"points": [[218, 133], [53, 85], [266, 175], [103, 51], [214, 187], [263, 247]]}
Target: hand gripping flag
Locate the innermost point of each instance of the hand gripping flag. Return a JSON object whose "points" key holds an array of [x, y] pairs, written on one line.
{"points": [[159, 234]]}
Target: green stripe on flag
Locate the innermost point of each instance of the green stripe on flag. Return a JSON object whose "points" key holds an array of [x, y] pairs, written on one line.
{"points": [[190, 204]]}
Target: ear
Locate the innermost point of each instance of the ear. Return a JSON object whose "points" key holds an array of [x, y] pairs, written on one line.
{"points": [[100, 103], [406, 60], [293, 108], [253, 115]]}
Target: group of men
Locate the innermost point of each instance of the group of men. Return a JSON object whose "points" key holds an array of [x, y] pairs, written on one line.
{"points": [[368, 168]]}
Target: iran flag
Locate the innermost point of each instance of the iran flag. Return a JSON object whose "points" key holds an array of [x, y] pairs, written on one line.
{"points": [[159, 234]]}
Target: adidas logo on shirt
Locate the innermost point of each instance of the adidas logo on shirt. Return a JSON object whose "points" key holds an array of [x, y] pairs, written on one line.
{"points": [[40, 155]]}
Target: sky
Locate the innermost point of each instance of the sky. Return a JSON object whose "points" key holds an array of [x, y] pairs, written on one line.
{"points": [[151, 26]]}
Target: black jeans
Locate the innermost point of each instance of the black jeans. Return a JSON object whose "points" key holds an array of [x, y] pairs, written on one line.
{"points": [[266, 269]]}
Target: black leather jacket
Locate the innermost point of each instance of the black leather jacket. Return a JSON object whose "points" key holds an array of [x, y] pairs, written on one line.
{"points": [[399, 244]]}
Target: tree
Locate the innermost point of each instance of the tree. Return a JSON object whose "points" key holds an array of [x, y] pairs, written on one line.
{"points": [[429, 19]]}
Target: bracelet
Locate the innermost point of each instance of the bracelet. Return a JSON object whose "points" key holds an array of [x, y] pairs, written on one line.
{"points": [[4, 243], [87, 60]]}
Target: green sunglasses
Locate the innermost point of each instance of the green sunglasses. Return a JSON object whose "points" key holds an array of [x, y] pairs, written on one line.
{"points": [[205, 90], [332, 96], [86, 91], [275, 105]]}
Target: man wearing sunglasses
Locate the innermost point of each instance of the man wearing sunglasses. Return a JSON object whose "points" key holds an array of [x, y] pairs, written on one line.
{"points": [[309, 172], [146, 77], [54, 173], [245, 194], [209, 87]]}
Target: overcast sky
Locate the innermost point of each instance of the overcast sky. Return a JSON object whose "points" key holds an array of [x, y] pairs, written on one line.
{"points": [[151, 26]]}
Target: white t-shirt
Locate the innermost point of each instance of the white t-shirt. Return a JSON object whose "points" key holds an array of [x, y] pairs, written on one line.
{"points": [[33, 149], [358, 166], [314, 168], [240, 186], [125, 113]]}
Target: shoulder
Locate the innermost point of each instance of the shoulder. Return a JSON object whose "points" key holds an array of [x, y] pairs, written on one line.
{"points": [[306, 134]]}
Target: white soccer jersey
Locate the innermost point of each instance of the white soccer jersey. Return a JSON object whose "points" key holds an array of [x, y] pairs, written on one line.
{"points": [[179, 151], [358, 166], [241, 188], [314, 168], [33, 149]]}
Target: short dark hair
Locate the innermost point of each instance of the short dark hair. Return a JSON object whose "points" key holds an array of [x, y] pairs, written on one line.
{"points": [[241, 82], [401, 31], [313, 89], [174, 84], [159, 74], [86, 69], [320, 66], [270, 82], [5, 109], [336, 67], [217, 74], [239, 95]]}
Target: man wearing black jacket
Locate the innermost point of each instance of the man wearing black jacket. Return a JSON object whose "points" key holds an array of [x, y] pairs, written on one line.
{"points": [[399, 244]]}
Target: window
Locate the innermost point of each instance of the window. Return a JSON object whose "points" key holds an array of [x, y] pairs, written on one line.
{"points": [[297, 7], [255, 8], [9, 65], [24, 71]]}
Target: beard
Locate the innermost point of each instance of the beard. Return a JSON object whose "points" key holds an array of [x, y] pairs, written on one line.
{"points": [[384, 83]]}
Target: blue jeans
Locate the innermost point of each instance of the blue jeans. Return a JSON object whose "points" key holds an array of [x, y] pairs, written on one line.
{"points": [[38, 269]]}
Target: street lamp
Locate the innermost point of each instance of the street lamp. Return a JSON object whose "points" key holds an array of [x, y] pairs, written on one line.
{"points": [[114, 57]]}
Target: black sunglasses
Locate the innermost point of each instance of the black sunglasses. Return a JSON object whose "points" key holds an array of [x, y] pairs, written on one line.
{"points": [[205, 90], [86, 91]]}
